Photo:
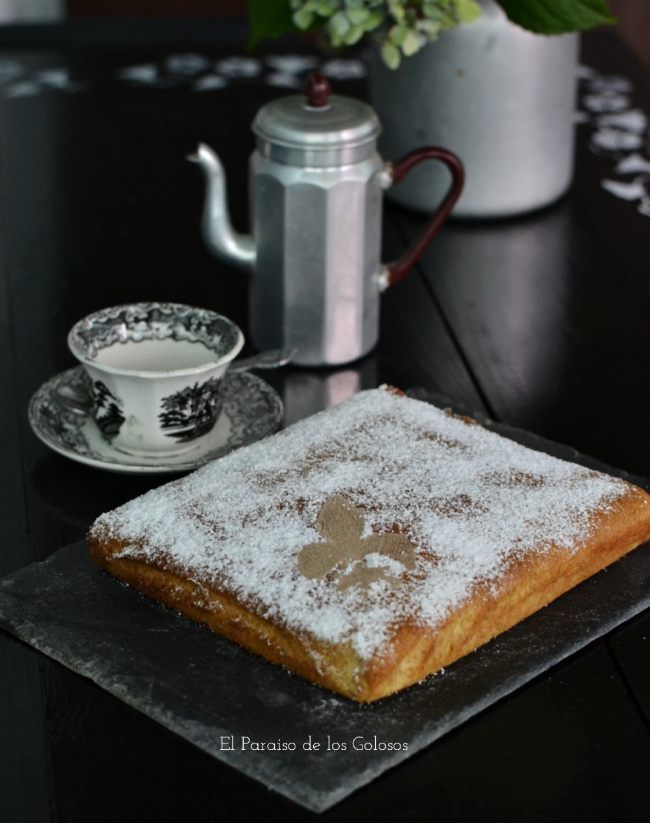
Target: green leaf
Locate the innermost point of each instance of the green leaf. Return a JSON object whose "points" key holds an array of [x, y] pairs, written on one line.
{"points": [[412, 43], [323, 8], [304, 18], [339, 23], [430, 10], [396, 8], [430, 28], [557, 16], [397, 34], [376, 19], [448, 20], [268, 18], [358, 16], [468, 10], [353, 35], [390, 55]]}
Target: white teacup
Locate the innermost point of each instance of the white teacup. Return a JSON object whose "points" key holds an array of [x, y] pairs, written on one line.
{"points": [[155, 371]]}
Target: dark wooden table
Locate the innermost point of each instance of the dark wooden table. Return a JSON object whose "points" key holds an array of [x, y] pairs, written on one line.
{"points": [[541, 322]]}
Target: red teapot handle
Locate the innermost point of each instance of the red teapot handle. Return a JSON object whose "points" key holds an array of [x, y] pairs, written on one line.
{"points": [[394, 272]]}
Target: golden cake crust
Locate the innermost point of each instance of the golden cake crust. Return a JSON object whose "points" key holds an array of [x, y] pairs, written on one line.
{"points": [[416, 640]]}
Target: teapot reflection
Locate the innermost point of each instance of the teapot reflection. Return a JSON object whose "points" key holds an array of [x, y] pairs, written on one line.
{"points": [[307, 391]]}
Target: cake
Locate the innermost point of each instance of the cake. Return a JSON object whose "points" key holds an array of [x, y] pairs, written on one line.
{"points": [[368, 546]]}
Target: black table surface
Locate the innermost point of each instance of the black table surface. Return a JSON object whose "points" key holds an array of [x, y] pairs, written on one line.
{"points": [[540, 322]]}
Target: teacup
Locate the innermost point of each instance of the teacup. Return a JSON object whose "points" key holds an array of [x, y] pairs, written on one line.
{"points": [[155, 371]]}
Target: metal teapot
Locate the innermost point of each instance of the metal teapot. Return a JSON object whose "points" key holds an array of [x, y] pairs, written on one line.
{"points": [[317, 183]]}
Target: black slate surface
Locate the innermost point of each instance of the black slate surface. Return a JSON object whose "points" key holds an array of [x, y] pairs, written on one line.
{"points": [[216, 694]]}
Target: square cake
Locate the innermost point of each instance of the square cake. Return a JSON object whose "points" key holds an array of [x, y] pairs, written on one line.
{"points": [[372, 544]]}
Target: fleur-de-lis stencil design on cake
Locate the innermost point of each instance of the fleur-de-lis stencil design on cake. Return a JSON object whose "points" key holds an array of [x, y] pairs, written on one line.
{"points": [[341, 524]]}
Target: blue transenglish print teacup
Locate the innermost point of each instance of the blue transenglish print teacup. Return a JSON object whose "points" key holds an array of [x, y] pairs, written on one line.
{"points": [[155, 371]]}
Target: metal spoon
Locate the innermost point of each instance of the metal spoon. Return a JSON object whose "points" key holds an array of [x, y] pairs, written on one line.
{"points": [[75, 397], [271, 359]]}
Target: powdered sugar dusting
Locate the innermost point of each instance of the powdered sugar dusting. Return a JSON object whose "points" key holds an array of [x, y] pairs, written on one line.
{"points": [[470, 502]]}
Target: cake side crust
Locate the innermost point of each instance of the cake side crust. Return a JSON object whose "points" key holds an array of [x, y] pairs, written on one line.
{"points": [[334, 667], [528, 585]]}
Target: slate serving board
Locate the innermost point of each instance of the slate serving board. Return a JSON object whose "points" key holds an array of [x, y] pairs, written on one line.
{"points": [[219, 696]]}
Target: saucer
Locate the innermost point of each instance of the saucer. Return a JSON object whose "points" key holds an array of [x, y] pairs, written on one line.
{"points": [[251, 410]]}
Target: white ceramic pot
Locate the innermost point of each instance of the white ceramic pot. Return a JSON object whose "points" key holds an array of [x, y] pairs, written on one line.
{"points": [[496, 95]]}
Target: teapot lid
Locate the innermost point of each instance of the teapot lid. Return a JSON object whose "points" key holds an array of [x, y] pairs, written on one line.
{"points": [[317, 123]]}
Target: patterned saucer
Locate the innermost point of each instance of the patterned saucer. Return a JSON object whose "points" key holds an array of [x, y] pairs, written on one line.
{"points": [[251, 410]]}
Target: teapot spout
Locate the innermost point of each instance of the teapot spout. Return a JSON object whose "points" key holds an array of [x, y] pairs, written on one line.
{"points": [[221, 239]]}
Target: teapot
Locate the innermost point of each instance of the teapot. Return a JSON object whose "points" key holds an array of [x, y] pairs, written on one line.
{"points": [[316, 202]]}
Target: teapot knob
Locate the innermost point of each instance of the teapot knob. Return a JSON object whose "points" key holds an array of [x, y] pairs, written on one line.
{"points": [[318, 90]]}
